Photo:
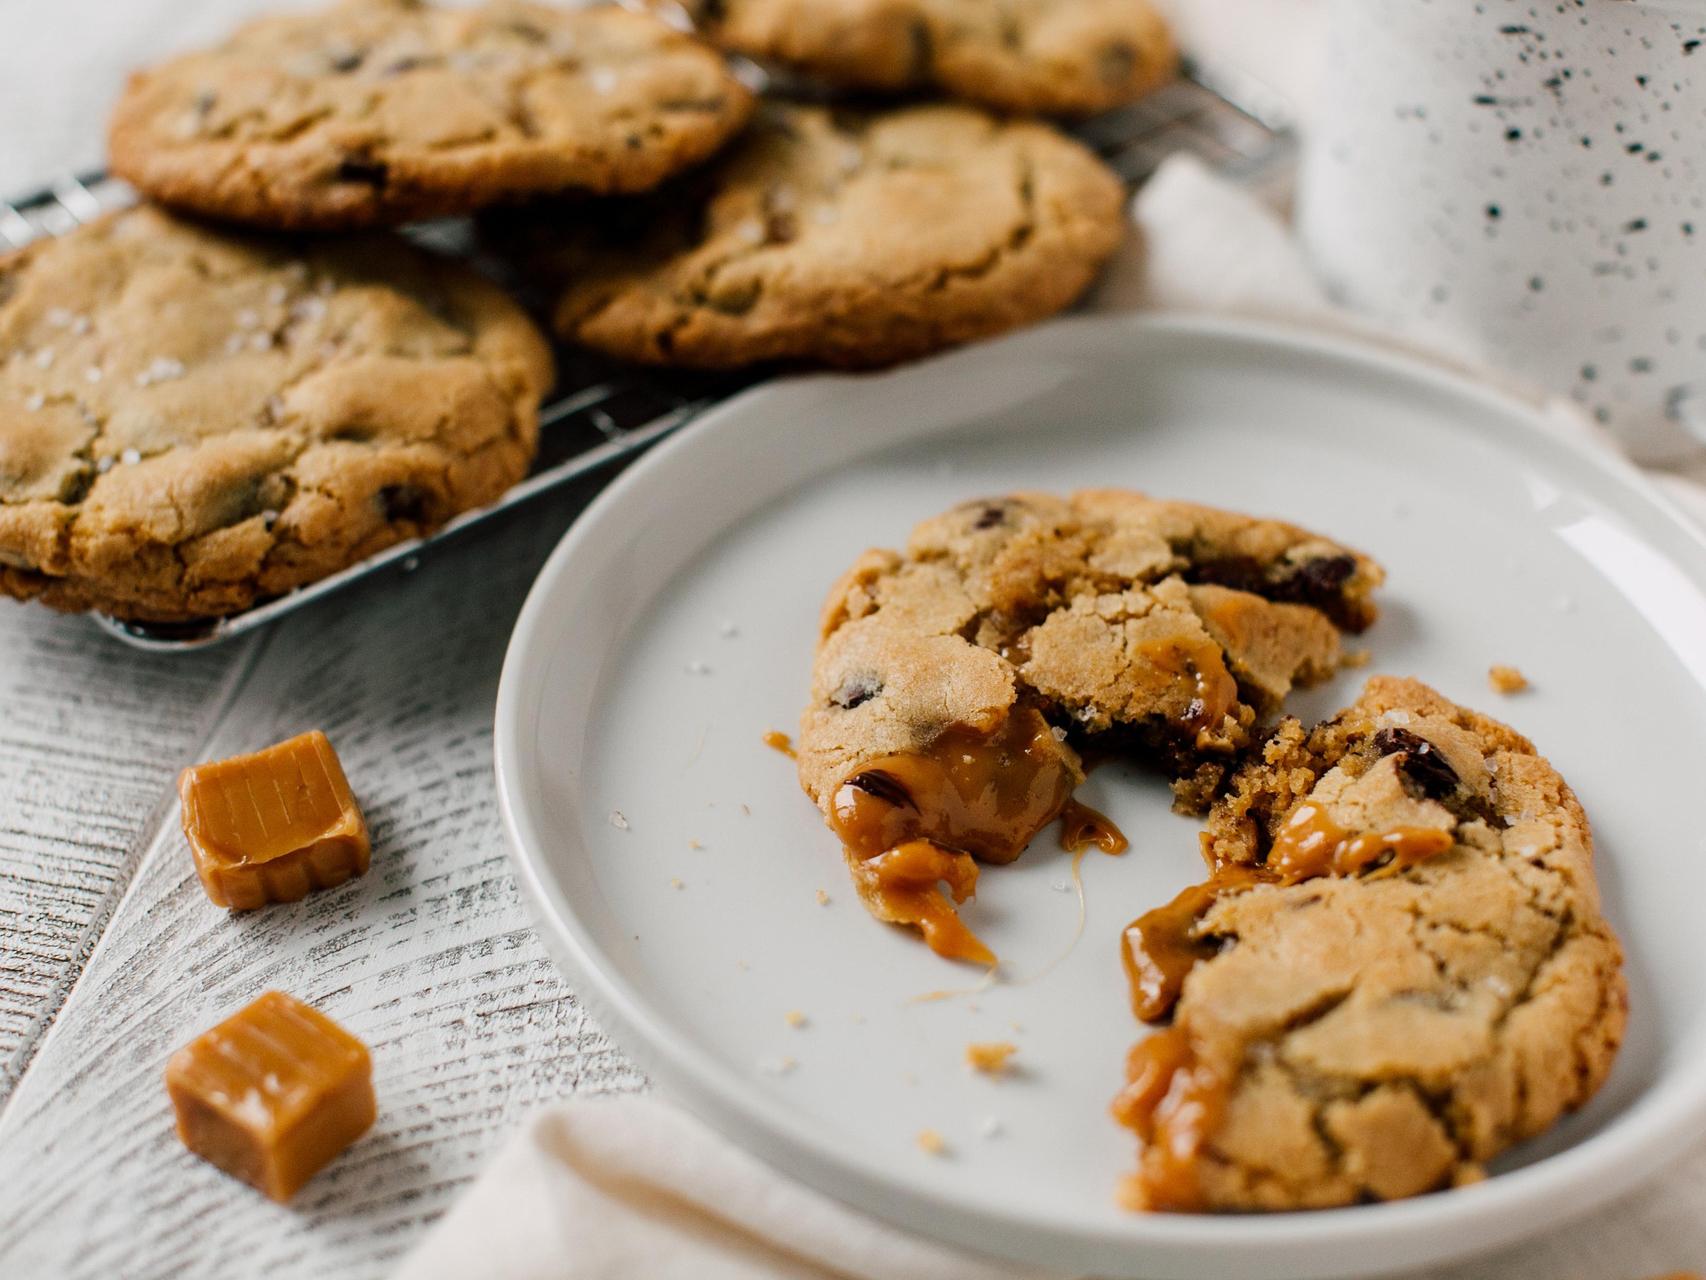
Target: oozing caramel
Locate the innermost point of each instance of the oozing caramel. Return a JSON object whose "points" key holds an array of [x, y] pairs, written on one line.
{"points": [[776, 740], [1081, 826], [1161, 946], [1311, 844], [1174, 1102], [1201, 661], [903, 885], [909, 821]]}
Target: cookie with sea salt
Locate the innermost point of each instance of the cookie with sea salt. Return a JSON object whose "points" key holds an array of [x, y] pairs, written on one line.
{"points": [[1047, 57], [838, 238], [1398, 969], [378, 111], [191, 421], [956, 682]]}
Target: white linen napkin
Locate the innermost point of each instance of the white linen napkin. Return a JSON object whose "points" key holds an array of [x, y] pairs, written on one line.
{"points": [[602, 1189]]}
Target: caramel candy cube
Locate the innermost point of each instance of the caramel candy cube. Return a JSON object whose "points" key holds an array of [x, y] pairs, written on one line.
{"points": [[271, 826], [271, 1094]]}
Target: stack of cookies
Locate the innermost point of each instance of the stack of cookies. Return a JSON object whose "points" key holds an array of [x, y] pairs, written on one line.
{"points": [[207, 407]]}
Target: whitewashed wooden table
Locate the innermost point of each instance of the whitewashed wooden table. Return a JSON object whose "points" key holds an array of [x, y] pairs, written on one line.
{"points": [[110, 957]]}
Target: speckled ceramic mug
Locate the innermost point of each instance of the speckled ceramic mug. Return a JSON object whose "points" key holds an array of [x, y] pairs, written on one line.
{"points": [[1526, 184]]}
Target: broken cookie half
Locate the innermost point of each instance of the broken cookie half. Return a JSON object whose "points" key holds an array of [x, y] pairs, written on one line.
{"points": [[1397, 969], [957, 683]]}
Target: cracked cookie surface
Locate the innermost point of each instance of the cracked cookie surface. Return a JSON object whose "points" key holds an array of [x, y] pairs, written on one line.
{"points": [[1401, 967], [846, 239], [191, 421], [1050, 57], [955, 682], [378, 111]]}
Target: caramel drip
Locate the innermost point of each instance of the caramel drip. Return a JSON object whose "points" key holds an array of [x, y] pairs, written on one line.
{"points": [[970, 795], [779, 741], [1199, 659], [1311, 844], [1161, 946], [903, 885], [1174, 1102], [1081, 826]]}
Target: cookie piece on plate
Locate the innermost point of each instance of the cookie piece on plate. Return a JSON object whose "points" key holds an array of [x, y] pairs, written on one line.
{"points": [[378, 111], [1398, 969], [955, 682], [192, 421], [836, 238], [1048, 57]]}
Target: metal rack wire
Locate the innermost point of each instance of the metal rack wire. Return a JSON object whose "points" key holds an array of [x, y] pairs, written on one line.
{"points": [[600, 413]]}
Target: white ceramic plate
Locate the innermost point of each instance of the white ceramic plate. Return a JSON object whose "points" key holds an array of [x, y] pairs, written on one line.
{"points": [[675, 624]]}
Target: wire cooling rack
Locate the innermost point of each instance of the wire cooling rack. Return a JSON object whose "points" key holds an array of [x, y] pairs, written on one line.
{"points": [[600, 413]]}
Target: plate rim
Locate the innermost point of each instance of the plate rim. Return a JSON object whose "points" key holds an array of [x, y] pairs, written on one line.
{"points": [[1658, 1127]]}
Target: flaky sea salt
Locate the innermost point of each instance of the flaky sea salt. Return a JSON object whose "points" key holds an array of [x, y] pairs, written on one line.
{"points": [[93, 373], [59, 317], [44, 358], [617, 820], [34, 401], [990, 1127], [130, 457], [160, 369], [602, 79]]}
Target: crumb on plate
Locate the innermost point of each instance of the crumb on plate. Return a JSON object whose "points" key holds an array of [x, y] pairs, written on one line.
{"points": [[990, 1056], [1506, 679]]}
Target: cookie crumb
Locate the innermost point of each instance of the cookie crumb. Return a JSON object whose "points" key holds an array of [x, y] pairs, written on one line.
{"points": [[694, 844], [822, 898], [1354, 658], [932, 1143], [697, 668], [746, 811], [990, 1056], [727, 630], [676, 882], [990, 1127], [1506, 679], [777, 1066], [618, 820], [795, 1019]]}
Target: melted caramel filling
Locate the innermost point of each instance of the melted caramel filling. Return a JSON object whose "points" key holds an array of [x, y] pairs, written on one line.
{"points": [[911, 821], [1199, 660], [903, 885], [779, 741], [1312, 844], [1173, 1102], [1161, 946], [1081, 826]]}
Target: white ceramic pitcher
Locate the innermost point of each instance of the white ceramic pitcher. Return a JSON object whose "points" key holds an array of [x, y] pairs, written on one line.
{"points": [[1525, 183]]}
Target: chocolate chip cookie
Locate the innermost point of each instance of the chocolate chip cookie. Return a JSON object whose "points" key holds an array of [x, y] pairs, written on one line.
{"points": [[191, 421], [1398, 969], [956, 682], [378, 111], [1050, 57], [844, 239]]}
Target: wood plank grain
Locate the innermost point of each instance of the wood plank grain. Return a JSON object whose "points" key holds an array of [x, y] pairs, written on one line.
{"points": [[429, 958], [90, 735]]}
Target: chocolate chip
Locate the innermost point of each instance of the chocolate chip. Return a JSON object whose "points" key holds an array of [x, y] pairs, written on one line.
{"points": [[1421, 768], [527, 31], [1326, 575], [1116, 62], [348, 61], [356, 169], [992, 514], [882, 787], [403, 502], [856, 691], [780, 228]]}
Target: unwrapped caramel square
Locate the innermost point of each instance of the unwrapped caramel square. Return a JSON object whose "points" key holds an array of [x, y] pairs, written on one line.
{"points": [[271, 1094], [272, 826]]}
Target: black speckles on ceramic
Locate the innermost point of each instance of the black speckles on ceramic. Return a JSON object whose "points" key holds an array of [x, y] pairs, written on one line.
{"points": [[1525, 183]]}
